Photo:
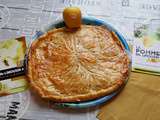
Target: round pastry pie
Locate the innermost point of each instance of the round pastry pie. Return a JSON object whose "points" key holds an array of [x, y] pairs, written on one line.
{"points": [[81, 65]]}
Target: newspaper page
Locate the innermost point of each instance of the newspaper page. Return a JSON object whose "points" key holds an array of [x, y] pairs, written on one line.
{"points": [[138, 22]]}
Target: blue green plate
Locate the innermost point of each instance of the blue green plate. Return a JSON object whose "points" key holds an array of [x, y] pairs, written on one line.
{"points": [[88, 21]]}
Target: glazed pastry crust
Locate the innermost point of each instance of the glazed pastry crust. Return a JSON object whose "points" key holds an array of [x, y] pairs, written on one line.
{"points": [[77, 66]]}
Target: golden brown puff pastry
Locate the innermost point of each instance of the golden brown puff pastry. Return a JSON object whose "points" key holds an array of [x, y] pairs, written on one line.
{"points": [[77, 66]]}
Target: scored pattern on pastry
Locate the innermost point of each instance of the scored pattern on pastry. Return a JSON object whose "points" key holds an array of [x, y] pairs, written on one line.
{"points": [[77, 66]]}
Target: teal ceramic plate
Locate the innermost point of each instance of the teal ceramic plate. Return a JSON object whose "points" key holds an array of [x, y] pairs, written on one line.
{"points": [[88, 21]]}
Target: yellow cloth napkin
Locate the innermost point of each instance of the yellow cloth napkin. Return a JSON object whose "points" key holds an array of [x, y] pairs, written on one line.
{"points": [[139, 100]]}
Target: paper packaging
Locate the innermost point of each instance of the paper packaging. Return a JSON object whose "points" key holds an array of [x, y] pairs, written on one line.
{"points": [[138, 101], [146, 52], [12, 54]]}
